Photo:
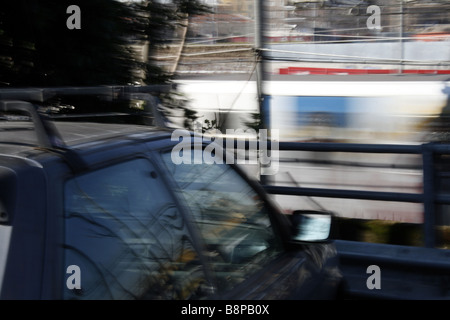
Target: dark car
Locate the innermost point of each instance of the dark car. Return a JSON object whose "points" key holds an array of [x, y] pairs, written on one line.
{"points": [[100, 211]]}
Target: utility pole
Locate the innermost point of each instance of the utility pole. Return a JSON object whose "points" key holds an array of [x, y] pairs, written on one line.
{"points": [[260, 72], [401, 38], [259, 45]]}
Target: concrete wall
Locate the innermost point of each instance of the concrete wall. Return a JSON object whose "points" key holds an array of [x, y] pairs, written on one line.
{"points": [[417, 51]]}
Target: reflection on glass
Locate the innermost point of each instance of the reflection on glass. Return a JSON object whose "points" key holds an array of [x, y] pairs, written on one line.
{"points": [[313, 227], [125, 233], [232, 220]]}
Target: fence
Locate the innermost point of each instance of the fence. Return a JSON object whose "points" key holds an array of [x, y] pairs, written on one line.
{"points": [[429, 197], [408, 272]]}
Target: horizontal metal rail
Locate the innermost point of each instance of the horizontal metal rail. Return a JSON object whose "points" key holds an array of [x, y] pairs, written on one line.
{"points": [[351, 147], [424, 270], [346, 194], [332, 146], [43, 94], [429, 196], [407, 272]]}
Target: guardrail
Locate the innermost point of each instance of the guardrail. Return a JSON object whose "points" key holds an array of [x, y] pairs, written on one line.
{"points": [[406, 272], [429, 197]]}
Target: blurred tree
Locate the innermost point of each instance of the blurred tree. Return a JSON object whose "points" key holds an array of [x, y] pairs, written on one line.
{"points": [[38, 49], [255, 123], [159, 19]]}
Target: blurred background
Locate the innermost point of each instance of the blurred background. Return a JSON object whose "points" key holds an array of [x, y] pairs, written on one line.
{"points": [[316, 71], [330, 71]]}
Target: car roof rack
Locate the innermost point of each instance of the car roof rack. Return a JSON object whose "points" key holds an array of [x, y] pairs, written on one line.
{"points": [[27, 100], [43, 94], [47, 135]]}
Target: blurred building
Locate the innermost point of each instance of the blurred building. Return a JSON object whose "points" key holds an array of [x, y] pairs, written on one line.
{"points": [[323, 20], [333, 18], [229, 19]]}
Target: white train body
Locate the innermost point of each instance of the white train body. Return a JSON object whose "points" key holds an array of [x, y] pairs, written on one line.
{"points": [[354, 110]]}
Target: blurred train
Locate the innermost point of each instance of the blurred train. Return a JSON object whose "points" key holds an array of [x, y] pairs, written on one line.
{"points": [[394, 109], [364, 109]]}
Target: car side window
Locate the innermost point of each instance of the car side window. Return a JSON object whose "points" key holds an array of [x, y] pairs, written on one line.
{"points": [[125, 234], [233, 221]]}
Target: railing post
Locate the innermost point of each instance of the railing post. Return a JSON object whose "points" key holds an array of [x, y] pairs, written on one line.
{"points": [[428, 195]]}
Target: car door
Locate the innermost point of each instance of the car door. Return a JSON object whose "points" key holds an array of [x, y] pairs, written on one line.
{"points": [[125, 237], [244, 236]]}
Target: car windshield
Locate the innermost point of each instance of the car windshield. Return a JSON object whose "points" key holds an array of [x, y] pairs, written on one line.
{"points": [[232, 219]]}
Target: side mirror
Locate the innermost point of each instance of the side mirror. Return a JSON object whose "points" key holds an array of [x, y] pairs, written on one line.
{"points": [[310, 226]]}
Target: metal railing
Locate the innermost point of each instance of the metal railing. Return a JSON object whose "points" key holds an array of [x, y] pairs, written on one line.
{"points": [[424, 270], [429, 197]]}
